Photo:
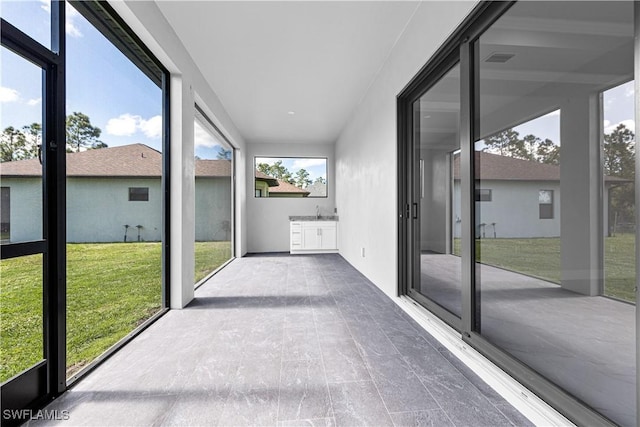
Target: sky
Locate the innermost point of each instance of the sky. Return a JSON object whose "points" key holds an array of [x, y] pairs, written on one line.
{"points": [[101, 83]]}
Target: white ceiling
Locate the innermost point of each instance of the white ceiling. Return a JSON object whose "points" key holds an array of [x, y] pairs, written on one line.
{"points": [[264, 59]]}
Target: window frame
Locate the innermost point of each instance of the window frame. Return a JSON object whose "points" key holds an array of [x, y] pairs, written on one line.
{"points": [[325, 158], [546, 210], [138, 194]]}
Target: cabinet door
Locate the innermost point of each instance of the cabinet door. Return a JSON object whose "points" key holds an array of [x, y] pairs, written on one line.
{"points": [[329, 238], [310, 238]]}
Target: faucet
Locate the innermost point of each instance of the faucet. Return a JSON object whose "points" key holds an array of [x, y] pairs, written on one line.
{"points": [[317, 212]]}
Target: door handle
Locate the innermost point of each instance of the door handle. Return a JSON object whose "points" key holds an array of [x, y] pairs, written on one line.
{"points": [[415, 211]]}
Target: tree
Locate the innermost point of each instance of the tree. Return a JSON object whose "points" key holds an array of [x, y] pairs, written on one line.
{"points": [[33, 140], [320, 180], [302, 178], [223, 154], [530, 147], [81, 133], [619, 160], [12, 146], [276, 170]]}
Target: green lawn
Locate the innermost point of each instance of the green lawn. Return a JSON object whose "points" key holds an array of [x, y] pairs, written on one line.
{"points": [[111, 289], [209, 256], [541, 258]]}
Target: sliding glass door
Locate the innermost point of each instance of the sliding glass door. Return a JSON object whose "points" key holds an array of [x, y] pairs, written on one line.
{"points": [[435, 211], [518, 219]]}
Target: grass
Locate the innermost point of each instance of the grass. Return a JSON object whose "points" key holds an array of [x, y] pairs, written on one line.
{"points": [[209, 256], [111, 289], [541, 258]]}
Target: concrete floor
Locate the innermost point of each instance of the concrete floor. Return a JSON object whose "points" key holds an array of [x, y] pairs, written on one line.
{"points": [[287, 341], [584, 344]]}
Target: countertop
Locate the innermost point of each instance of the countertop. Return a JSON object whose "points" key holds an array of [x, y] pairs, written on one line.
{"points": [[314, 218]]}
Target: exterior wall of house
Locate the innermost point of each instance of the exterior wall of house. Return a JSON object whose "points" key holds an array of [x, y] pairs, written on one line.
{"points": [[25, 211], [514, 209], [262, 186], [213, 209], [99, 208]]}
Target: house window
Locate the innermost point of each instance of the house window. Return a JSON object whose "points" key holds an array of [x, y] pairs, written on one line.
{"points": [[545, 201], [291, 177], [138, 194], [483, 195], [5, 215]]}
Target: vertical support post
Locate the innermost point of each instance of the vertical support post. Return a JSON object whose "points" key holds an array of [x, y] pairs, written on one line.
{"points": [[182, 193], [581, 191]]}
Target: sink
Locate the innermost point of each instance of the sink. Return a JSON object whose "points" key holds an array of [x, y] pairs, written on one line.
{"points": [[314, 218]]}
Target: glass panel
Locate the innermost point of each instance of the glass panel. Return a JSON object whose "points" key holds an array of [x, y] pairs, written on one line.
{"points": [[213, 200], [21, 308], [541, 70], [619, 200], [114, 144], [33, 18], [291, 177], [437, 148], [20, 169]]}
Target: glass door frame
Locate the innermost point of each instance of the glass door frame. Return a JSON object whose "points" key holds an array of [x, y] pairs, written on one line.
{"points": [[410, 197], [461, 42], [46, 379]]}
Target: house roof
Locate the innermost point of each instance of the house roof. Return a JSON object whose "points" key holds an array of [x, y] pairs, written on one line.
{"points": [[286, 188], [135, 160], [271, 181], [494, 167]]}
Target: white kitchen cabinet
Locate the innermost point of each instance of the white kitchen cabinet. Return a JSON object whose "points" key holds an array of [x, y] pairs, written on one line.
{"points": [[313, 237]]}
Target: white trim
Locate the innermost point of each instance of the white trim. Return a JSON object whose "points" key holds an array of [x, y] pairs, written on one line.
{"points": [[530, 405]]}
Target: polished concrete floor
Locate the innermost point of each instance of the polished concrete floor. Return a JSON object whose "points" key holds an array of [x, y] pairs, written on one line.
{"points": [[287, 341], [584, 344]]}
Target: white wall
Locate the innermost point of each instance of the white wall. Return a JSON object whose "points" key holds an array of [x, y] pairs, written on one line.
{"points": [[151, 27], [268, 217], [366, 162]]}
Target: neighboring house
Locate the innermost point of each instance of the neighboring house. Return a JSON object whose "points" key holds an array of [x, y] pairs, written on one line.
{"points": [[267, 186], [317, 189], [109, 188], [517, 198]]}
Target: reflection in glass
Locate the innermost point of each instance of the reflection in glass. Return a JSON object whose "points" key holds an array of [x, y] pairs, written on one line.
{"points": [[114, 196], [619, 202], [437, 148], [213, 199], [291, 177], [539, 245]]}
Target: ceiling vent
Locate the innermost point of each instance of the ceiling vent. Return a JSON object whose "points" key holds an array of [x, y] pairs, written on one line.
{"points": [[499, 57]]}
